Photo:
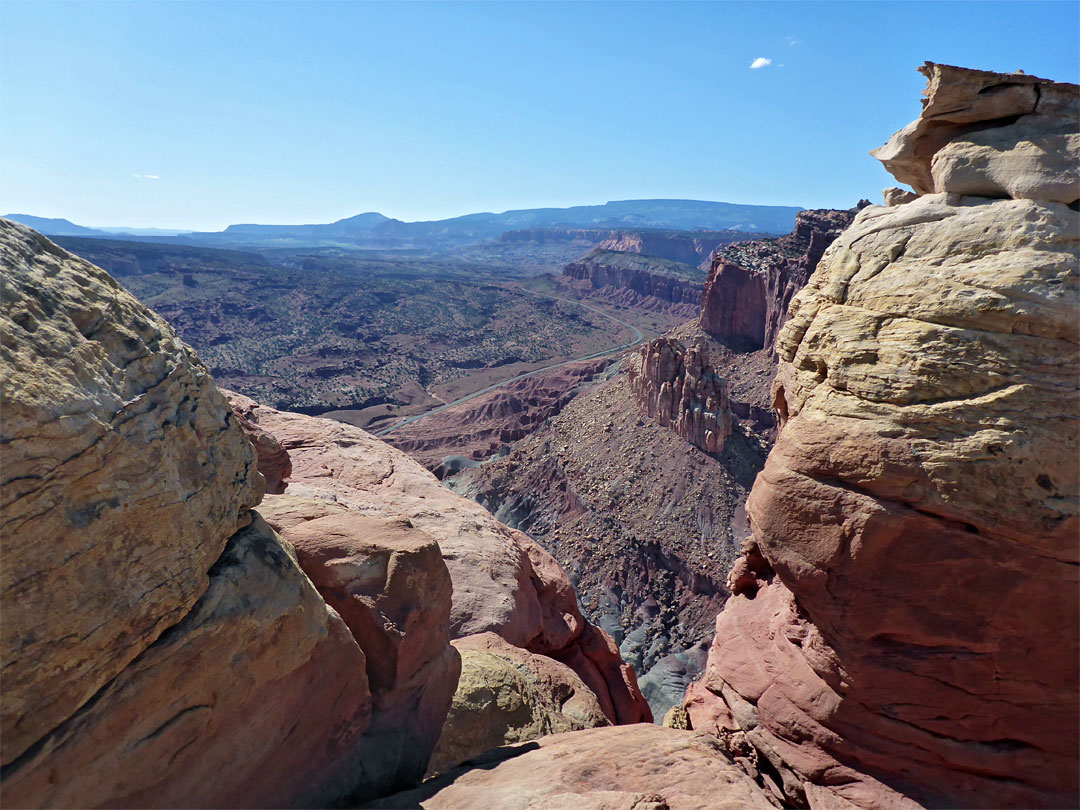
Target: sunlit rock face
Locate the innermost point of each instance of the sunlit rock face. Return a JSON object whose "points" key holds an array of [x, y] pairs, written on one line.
{"points": [[904, 629]]}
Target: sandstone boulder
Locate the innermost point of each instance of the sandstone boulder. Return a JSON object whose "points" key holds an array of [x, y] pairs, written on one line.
{"points": [[509, 695], [503, 581], [256, 698], [124, 474], [388, 582], [914, 603], [641, 767]]}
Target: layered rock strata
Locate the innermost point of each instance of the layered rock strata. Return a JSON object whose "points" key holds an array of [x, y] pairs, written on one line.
{"points": [[751, 284], [503, 581], [665, 288], [906, 629], [677, 386], [446, 441]]}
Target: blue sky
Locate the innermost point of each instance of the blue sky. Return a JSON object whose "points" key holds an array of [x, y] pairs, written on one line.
{"points": [[202, 114]]}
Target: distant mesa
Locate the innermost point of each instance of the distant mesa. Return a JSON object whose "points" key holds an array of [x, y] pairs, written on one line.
{"points": [[375, 231]]}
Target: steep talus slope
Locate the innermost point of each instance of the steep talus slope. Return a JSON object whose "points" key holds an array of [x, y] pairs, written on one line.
{"points": [[906, 628]]}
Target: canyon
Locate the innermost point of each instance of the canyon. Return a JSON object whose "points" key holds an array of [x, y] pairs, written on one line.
{"points": [[808, 541]]}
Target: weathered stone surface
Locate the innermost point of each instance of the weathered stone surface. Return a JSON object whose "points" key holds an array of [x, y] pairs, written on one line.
{"points": [[914, 605], [274, 462], [990, 134], [639, 767], [509, 695], [256, 698], [389, 583], [124, 474], [677, 386], [503, 581], [897, 196]]}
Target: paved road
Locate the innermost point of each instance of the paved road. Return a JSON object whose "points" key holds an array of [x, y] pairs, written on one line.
{"points": [[638, 338]]}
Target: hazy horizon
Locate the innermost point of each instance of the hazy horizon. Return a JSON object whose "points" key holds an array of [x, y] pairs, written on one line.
{"points": [[196, 116]]}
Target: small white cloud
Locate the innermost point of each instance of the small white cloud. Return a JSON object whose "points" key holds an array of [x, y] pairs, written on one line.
{"points": [[152, 177], [793, 42], [760, 62], [146, 177]]}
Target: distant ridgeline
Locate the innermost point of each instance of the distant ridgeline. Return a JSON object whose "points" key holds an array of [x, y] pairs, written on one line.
{"points": [[375, 231]]}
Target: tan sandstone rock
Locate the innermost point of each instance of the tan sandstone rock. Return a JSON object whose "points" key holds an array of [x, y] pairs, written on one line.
{"points": [[990, 134], [640, 767], [124, 475], [919, 639], [256, 698], [509, 695], [503, 581]]}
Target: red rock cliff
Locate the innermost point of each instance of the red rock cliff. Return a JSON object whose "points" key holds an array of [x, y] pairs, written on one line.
{"points": [[751, 284], [905, 625]]}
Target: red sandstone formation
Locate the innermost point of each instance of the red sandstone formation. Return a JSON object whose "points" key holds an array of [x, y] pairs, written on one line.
{"points": [[503, 581], [750, 284], [677, 386], [906, 626]]}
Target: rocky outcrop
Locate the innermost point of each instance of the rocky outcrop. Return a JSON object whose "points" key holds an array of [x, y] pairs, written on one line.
{"points": [[256, 698], [388, 582], [631, 767], [751, 284], [984, 134], [160, 645], [665, 288], [908, 609], [273, 460], [508, 695], [675, 385], [503, 581]]}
